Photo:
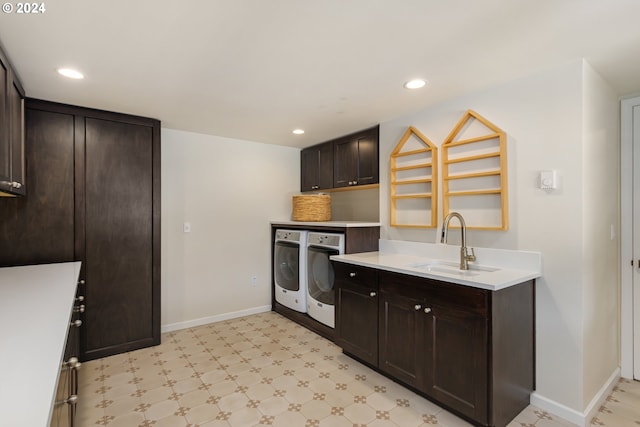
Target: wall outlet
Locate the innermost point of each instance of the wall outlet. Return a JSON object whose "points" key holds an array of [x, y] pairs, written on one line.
{"points": [[186, 227], [254, 281]]}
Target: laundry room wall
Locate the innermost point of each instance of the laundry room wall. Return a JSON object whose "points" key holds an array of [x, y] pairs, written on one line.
{"points": [[228, 190], [562, 119]]}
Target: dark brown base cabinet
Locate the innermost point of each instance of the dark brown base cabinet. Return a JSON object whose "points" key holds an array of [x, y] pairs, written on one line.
{"points": [[94, 196], [468, 349]]}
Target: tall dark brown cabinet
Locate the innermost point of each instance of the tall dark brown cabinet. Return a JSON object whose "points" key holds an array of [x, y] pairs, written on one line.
{"points": [[94, 196]]}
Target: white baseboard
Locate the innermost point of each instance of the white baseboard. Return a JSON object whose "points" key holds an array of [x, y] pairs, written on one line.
{"points": [[212, 319], [582, 419]]}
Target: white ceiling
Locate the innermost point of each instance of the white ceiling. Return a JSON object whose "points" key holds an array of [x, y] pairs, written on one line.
{"points": [[257, 69]]}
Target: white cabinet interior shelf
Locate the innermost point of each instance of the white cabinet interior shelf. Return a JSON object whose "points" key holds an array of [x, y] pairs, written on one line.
{"points": [[414, 181]]}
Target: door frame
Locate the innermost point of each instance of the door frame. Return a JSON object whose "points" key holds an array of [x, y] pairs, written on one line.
{"points": [[626, 240]]}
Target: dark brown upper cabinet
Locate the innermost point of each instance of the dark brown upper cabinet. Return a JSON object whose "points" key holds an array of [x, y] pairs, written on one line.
{"points": [[316, 167], [12, 170], [348, 161], [356, 159]]}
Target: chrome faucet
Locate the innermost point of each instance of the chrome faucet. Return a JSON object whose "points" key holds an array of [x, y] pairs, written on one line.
{"points": [[465, 257]]}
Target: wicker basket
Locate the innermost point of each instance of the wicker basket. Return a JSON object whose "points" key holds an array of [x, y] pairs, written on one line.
{"points": [[312, 207]]}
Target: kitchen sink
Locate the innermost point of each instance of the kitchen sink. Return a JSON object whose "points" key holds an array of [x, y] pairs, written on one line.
{"points": [[451, 267]]}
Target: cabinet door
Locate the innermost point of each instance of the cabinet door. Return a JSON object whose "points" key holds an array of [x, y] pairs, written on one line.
{"points": [[356, 159], [357, 311], [455, 354], [401, 345], [368, 164], [5, 145], [309, 169], [345, 164], [316, 167], [15, 104], [121, 291], [39, 229]]}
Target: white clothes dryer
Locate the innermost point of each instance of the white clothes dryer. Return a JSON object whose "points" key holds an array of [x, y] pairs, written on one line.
{"points": [[289, 269], [320, 276]]}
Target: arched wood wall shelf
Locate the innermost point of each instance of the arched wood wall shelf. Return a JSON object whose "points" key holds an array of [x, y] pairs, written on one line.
{"points": [[474, 173], [414, 182]]}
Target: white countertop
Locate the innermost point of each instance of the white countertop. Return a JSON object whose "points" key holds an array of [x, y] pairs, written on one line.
{"points": [[440, 262], [35, 311], [345, 224]]}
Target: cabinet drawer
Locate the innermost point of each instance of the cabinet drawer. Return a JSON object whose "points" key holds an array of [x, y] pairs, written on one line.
{"points": [[454, 296], [356, 275]]}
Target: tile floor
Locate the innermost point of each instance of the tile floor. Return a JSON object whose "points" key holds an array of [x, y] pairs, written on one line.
{"points": [[264, 370]]}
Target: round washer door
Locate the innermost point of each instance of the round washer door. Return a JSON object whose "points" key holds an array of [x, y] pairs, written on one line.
{"points": [[286, 265]]}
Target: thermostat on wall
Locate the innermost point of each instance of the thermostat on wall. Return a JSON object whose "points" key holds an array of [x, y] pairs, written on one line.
{"points": [[548, 180]]}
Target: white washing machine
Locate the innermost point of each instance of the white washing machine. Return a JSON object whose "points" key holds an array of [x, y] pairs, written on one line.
{"points": [[320, 276], [289, 269]]}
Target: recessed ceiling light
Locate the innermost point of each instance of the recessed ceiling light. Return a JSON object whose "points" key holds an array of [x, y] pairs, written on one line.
{"points": [[415, 84], [298, 131], [71, 73]]}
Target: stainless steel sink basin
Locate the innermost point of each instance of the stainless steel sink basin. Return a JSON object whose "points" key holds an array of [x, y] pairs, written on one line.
{"points": [[450, 267]]}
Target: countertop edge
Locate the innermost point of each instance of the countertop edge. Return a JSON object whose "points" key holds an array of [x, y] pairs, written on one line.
{"points": [[35, 352], [518, 276], [344, 224]]}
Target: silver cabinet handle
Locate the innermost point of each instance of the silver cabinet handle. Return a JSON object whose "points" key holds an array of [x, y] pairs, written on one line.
{"points": [[72, 400], [79, 309], [80, 298], [73, 363], [427, 310], [16, 184], [352, 274], [76, 323], [81, 282], [417, 307], [372, 294]]}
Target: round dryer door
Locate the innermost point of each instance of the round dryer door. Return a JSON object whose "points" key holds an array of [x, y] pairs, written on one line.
{"points": [[320, 275]]}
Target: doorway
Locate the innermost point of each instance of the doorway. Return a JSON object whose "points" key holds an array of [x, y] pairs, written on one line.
{"points": [[630, 237]]}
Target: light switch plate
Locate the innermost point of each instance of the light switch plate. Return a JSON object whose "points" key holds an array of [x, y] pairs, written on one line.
{"points": [[186, 227]]}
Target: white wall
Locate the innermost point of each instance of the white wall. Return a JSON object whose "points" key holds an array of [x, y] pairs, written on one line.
{"points": [[601, 287], [228, 190], [543, 116]]}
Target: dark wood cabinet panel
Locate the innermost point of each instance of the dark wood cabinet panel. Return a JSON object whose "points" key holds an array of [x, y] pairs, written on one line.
{"points": [[357, 311], [356, 159], [316, 167], [401, 340], [5, 146], [39, 228], [15, 103], [456, 359], [94, 196], [348, 161], [119, 234], [470, 350], [12, 170]]}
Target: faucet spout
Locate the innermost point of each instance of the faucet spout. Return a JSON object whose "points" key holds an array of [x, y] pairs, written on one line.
{"points": [[465, 256]]}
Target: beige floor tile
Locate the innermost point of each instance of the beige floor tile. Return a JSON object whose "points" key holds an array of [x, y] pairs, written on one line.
{"points": [[161, 409], [405, 416], [264, 370], [127, 420], [171, 421], [449, 420], [244, 417], [202, 413]]}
